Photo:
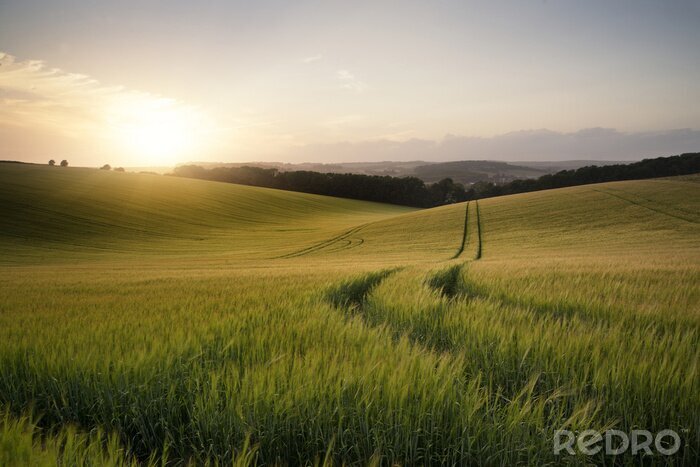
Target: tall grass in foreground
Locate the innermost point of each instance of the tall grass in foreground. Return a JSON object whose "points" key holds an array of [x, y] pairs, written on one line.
{"points": [[290, 372], [636, 373], [21, 443]]}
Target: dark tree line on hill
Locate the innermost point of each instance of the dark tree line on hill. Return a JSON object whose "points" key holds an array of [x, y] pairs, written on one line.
{"points": [[684, 164], [411, 191]]}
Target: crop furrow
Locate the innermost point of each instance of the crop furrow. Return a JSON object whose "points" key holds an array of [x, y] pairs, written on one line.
{"points": [[650, 208], [351, 295], [464, 234], [323, 244], [478, 232], [447, 281]]}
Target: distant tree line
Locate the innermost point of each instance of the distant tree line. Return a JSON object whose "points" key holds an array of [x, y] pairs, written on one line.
{"points": [[411, 191], [684, 164], [64, 163]]}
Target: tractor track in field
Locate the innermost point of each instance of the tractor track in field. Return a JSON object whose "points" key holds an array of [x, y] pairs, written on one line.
{"points": [[351, 242], [478, 232], [654, 209], [465, 234], [661, 203], [351, 295], [326, 243]]}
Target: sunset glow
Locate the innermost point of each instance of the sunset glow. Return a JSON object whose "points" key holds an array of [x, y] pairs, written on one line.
{"points": [[157, 130], [339, 82]]}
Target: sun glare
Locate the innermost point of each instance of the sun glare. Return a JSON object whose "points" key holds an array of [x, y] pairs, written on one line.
{"points": [[156, 131]]}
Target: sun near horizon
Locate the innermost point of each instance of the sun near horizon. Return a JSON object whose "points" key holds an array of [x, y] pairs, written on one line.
{"points": [[146, 83]]}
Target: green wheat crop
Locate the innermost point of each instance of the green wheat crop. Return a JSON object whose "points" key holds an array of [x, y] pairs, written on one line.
{"points": [[157, 320]]}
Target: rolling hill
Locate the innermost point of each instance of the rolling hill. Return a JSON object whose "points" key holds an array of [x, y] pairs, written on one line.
{"points": [[209, 322], [87, 211]]}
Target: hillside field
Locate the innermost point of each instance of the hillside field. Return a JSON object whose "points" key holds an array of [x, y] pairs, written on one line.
{"points": [[147, 319]]}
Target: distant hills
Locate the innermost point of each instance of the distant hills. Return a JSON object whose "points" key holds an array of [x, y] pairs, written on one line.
{"points": [[468, 172], [465, 172], [409, 190]]}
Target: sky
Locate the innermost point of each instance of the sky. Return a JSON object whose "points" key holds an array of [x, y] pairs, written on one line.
{"points": [[148, 83]]}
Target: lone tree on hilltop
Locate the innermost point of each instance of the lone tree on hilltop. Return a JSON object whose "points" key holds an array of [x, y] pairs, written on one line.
{"points": [[64, 163], [106, 167], [52, 162]]}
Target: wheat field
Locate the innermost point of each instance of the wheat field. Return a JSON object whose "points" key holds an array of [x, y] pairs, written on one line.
{"points": [[153, 320]]}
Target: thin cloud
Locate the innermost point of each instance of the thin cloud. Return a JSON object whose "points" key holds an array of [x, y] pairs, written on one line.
{"points": [[36, 96], [33, 93], [312, 59], [343, 120], [527, 145], [350, 81]]}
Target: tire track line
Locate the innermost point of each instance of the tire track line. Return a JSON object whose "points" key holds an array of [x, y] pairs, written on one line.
{"points": [[657, 210], [323, 244], [464, 235], [650, 201], [478, 232]]}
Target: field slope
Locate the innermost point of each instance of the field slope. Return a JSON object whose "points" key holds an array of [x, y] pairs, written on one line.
{"points": [[200, 322], [87, 212]]}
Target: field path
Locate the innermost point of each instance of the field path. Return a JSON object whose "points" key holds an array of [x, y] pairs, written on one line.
{"points": [[326, 243], [465, 233], [472, 223], [478, 232], [643, 205]]}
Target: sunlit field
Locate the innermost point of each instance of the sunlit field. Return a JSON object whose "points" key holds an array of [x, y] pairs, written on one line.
{"points": [[150, 320]]}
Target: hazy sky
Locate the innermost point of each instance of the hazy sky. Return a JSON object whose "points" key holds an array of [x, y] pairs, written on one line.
{"points": [[150, 83]]}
